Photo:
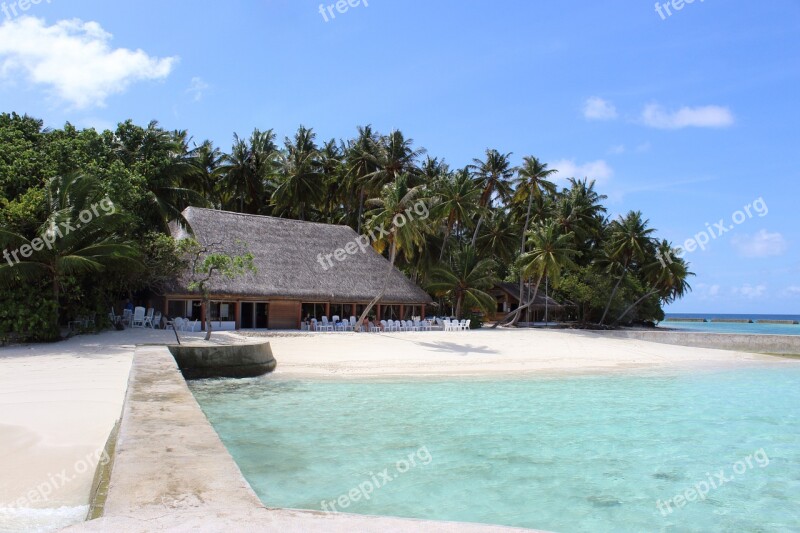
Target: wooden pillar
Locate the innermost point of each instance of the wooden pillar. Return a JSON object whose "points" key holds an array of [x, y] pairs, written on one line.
{"points": [[300, 316], [422, 312], [402, 312], [238, 315], [328, 309], [203, 316], [378, 312]]}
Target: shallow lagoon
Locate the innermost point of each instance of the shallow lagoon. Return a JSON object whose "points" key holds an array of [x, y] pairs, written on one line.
{"points": [[572, 454]]}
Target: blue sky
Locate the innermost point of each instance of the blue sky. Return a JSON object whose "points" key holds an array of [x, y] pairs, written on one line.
{"points": [[689, 118]]}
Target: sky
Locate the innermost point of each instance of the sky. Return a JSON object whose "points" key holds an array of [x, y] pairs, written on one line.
{"points": [[685, 111]]}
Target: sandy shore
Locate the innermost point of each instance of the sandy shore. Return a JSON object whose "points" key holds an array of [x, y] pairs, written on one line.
{"points": [[488, 353], [58, 405]]}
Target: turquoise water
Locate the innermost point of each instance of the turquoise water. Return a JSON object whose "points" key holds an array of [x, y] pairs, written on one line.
{"points": [[578, 454], [749, 329]]}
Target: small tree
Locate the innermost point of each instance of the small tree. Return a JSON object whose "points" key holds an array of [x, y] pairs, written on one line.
{"points": [[207, 262]]}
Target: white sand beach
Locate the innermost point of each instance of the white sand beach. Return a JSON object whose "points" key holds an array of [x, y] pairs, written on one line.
{"points": [[487, 352], [58, 405]]}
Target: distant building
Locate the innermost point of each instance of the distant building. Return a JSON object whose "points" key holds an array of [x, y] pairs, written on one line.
{"points": [[507, 297], [299, 274]]}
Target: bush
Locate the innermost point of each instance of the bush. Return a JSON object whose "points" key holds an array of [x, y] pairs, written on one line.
{"points": [[28, 314], [475, 318]]}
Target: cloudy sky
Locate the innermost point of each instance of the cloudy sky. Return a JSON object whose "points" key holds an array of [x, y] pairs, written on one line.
{"points": [[689, 115]]}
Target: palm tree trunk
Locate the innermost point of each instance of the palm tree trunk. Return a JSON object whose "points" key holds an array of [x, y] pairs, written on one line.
{"points": [[521, 252], [360, 210], [444, 242], [613, 293], [515, 313], [634, 304], [477, 229], [459, 303], [392, 256]]}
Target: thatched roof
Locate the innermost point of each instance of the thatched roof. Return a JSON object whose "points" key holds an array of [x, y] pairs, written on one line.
{"points": [[512, 289], [286, 258]]}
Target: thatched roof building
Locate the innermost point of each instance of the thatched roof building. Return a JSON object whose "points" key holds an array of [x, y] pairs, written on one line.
{"points": [[507, 297], [303, 268]]}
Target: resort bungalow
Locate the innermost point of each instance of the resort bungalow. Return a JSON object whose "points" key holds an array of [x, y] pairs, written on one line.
{"points": [[304, 270], [507, 297]]}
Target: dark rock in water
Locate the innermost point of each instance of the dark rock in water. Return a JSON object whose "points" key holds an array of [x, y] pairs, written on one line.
{"points": [[667, 476], [604, 501]]}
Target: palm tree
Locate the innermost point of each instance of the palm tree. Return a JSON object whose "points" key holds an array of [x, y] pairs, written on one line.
{"points": [[396, 198], [532, 183], [361, 160], [247, 168], [456, 200], [167, 165], [464, 280], [498, 237], [335, 197], [668, 280], [396, 156], [207, 161], [299, 176], [629, 241], [493, 176], [550, 252], [78, 237]]}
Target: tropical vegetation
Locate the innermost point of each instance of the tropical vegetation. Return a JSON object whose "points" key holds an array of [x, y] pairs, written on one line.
{"points": [[490, 221]]}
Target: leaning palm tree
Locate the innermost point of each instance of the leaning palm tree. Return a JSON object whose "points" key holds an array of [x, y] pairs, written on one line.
{"points": [[668, 280], [630, 241], [465, 281], [493, 176], [396, 200], [550, 252], [80, 236], [532, 184]]}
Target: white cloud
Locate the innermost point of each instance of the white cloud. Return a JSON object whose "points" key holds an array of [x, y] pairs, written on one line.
{"points": [[710, 116], [792, 291], [751, 292], [703, 291], [595, 108], [598, 170], [761, 244], [74, 61], [197, 88], [618, 149]]}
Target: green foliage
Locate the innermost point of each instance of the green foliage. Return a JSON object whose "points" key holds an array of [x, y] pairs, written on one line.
{"points": [[28, 314], [608, 268]]}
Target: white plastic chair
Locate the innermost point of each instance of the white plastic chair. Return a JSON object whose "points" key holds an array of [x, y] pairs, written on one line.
{"points": [[466, 325], [326, 326], [156, 321], [188, 325], [148, 319], [138, 318], [178, 323]]}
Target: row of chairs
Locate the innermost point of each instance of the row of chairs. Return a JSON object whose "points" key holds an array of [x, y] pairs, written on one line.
{"points": [[335, 324], [138, 318], [455, 325]]}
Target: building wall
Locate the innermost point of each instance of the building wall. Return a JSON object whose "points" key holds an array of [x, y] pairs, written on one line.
{"points": [[284, 315]]}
